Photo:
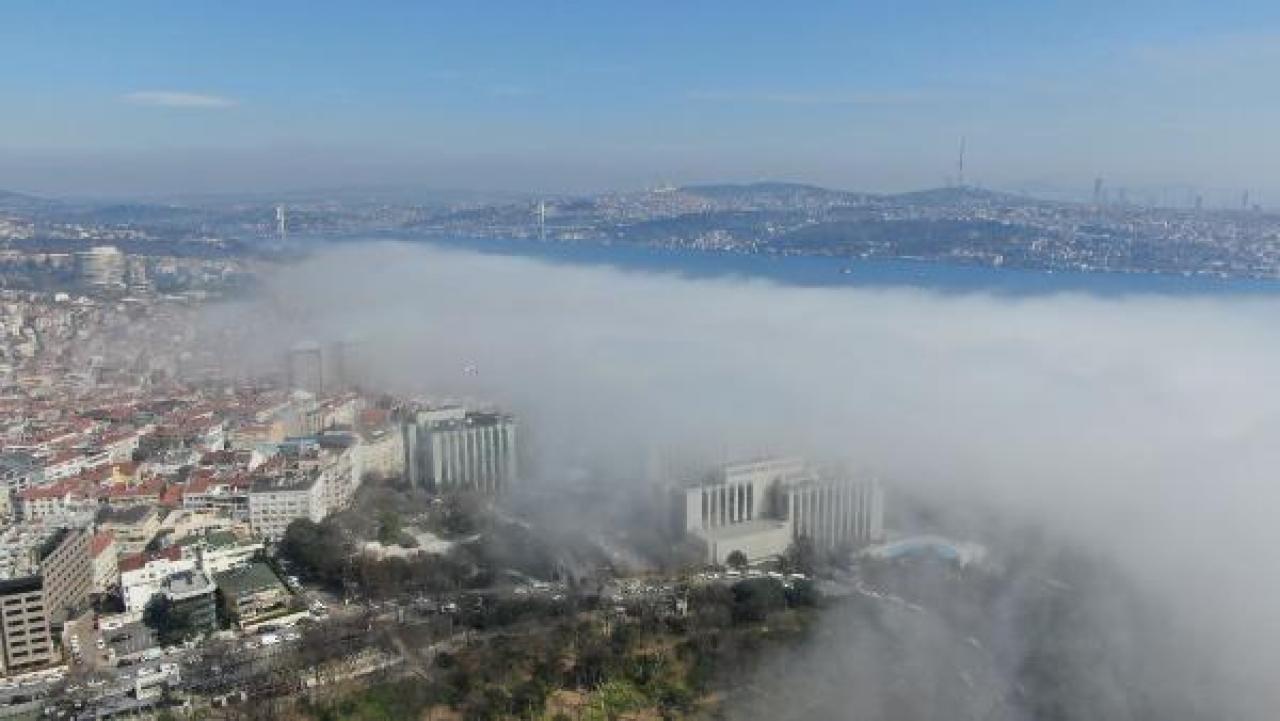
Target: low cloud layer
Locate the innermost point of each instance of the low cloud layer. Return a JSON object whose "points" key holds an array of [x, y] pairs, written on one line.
{"points": [[176, 99], [1144, 428]]}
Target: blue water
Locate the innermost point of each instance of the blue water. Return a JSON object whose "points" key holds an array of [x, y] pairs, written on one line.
{"points": [[821, 271]]}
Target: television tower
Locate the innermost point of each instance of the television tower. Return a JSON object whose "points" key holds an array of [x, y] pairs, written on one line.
{"points": [[282, 222], [960, 165]]}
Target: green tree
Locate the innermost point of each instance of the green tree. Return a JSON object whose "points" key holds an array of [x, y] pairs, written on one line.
{"points": [[737, 559], [803, 594], [755, 598], [226, 617], [316, 550], [389, 528], [460, 515], [800, 557]]}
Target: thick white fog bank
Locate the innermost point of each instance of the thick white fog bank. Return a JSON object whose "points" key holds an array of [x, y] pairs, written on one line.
{"points": [[1147, 427]]}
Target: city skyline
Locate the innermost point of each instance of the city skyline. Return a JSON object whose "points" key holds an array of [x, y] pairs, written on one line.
{"points": [[569, 99]]}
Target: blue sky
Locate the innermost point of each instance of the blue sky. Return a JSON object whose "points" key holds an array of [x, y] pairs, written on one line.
{"points": [[127, 97]]}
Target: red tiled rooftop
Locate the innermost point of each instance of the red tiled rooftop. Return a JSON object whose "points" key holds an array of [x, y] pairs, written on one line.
{"points": [[100, 542]]}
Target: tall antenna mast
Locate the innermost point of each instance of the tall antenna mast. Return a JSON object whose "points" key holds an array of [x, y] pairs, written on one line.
{"points": [[960, 164]]}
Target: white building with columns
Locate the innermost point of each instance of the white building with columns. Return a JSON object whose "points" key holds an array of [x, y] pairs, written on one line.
{"points": [[451, 448], [761, 507]]}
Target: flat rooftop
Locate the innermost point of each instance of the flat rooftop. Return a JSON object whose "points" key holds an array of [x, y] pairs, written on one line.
{"points": [[125, 516], [187, 584], [254, 578], [290, 482]]}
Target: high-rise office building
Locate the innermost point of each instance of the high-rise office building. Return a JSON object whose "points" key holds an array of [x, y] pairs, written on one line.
{"points": [[452, 448]]}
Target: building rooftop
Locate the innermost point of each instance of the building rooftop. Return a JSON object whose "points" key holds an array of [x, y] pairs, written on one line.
{"points": [[21, 585], [211, 539], [126, 516], [285, 482], [253, 578], [53, 543], [186, 584], [101, 541]]}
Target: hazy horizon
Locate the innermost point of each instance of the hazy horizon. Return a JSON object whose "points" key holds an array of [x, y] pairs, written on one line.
{"points": [[150, 99]]}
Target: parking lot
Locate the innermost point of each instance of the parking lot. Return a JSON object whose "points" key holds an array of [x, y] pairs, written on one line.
{"points": [[83, 643]]}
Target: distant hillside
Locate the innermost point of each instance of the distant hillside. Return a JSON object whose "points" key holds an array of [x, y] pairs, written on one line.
{"points": [[21, 203], [964, 195], [774, 193], [917, 238]]}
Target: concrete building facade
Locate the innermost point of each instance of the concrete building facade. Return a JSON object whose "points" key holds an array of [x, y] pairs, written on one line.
{"points": [[138, 585], [761, 507], [24, 625], [106, 562], [451, 448], [67, 569], [253, 592], [192, 594], [837, 511], [276, 502]]}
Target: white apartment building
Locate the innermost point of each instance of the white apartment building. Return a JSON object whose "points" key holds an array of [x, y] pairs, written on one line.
{"points": [[274, 503], [218, 551], [138, 585], [382, 453], [220, 496], [340, 468]]}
